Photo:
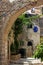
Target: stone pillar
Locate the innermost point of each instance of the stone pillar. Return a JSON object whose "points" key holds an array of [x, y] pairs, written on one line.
{"points": [[3, 53], [3, 48]]}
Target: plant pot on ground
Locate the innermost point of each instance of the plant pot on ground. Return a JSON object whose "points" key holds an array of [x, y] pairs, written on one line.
{"points": [[15, 55]]}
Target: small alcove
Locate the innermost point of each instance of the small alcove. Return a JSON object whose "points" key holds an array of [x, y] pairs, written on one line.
{"points": [[29, 43]]}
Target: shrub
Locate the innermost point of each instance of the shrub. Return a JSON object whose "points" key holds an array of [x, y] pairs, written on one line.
{"points": [[39, 51]]}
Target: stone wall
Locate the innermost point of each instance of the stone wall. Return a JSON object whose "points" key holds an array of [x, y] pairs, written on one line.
{"points": [[28, 35], [35, 37]]}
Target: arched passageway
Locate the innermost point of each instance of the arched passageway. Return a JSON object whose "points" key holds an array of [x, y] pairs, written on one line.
{"points": [[6, 24]]}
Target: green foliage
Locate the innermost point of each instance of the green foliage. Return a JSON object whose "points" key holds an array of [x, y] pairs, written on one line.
{"points": [[39, 52], [18, 26], [16, 44], [29, 19], [12, 48]]}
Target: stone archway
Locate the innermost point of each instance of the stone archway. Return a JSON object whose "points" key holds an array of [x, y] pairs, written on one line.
{"points": [[7, 19]]}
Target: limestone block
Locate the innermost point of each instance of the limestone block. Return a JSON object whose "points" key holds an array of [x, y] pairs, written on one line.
{"points": [[25, 63], [36, 64]]}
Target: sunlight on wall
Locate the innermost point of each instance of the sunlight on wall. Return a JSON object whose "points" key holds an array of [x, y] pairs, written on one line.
{"points": [[11, 0]]}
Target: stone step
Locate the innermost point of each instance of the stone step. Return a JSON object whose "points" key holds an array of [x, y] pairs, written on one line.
{"points": [[26, 61]]}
